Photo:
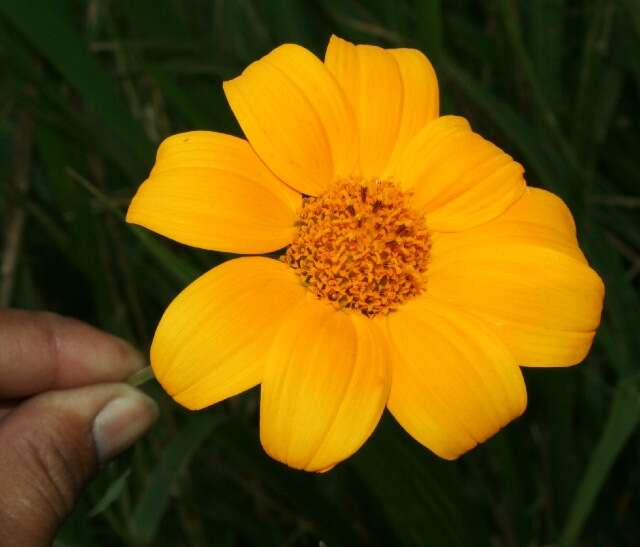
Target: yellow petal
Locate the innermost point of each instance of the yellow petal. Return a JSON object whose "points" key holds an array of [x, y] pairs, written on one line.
{"points": [[296, 118], [525, 275], [421, 99], [457, 178], [454, 382], [538, 216], [212, 340], [373, 83], [210, 190], [325, 386]]}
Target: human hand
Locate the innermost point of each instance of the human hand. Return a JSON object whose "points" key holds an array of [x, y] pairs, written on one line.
{"points": [[62, 413]]}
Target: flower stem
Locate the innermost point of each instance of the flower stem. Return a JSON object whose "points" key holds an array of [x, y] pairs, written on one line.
{"points": [[140, 377]]}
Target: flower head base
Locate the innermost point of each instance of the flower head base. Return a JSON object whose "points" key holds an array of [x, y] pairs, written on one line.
{"points": [[361, 246]]}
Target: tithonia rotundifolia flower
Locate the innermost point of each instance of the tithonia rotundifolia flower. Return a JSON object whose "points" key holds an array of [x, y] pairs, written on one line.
{"points": [[410, 266]]}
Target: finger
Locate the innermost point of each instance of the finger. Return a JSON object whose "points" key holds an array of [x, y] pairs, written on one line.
{"points": [[50, 447], [6, 407], [40, 351]]}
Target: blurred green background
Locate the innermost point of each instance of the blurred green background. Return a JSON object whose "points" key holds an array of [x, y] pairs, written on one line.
{"points": [[88, 89]]}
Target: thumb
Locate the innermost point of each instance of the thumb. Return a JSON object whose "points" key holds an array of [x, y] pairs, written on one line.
{"points": [[50, 446]]}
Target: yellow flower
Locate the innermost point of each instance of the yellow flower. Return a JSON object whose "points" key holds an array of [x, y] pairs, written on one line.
{"points": [[419, 270]]}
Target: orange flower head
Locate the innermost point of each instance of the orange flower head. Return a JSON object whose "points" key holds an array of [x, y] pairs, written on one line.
{"points": [[361, 247], [418, 272]]}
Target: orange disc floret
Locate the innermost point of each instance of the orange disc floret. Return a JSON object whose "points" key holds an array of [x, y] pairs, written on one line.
{"points": [[361, 246]]}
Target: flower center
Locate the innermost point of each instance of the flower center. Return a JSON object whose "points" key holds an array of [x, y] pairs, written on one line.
{"points": [[361, 246]]}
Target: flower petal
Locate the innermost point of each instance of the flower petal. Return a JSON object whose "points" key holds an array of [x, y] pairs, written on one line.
{"points": [[421, 99], [538, 216], [454, 382], [373, 83], [210, 190], [457, 178], [525, 275], [212, 339], [325, 386], [296, 118]]}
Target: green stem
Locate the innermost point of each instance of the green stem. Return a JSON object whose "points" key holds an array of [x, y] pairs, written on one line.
{"points": [[140, 377]]}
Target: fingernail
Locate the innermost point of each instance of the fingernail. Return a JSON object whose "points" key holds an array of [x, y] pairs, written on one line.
{"points": [[121, 422]]}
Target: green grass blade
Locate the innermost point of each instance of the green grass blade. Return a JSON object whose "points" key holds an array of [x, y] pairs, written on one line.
{"points": [[598, 84], [513, 126], [618, 333], [512, 22], [417, 492], [58, 41], [304, 491], [624, 417], [179, 268], [430, 29], [549, 48], [633, 10], [113, 492], [155, 498]]}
